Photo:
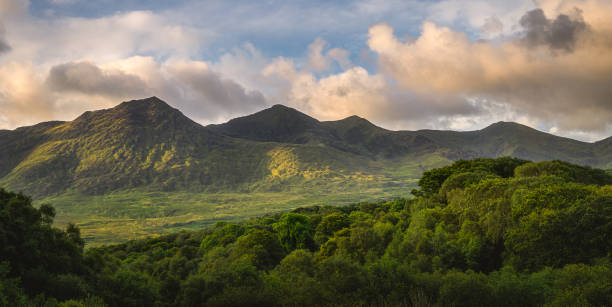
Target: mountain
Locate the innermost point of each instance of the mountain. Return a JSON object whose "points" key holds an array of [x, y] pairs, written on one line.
{"points": [[137, 143], [358, 135], [287, 125], [147, 143], [276, 124], [143, 167], [516, 140], [603, 150]]}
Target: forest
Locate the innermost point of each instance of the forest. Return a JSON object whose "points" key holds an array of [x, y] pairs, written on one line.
{"points": [[482, 232]]}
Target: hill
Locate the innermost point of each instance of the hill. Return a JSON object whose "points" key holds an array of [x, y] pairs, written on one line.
{"points": [[146, 166]]}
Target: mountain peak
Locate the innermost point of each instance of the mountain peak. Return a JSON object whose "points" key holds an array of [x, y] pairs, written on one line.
{"points": [[149, 113], [277, 123], [277, 115], [354, 122], [508, 128], [279, 107], [505, 124], [151, 108], [354, 118], [146, 104], [283, 111]]}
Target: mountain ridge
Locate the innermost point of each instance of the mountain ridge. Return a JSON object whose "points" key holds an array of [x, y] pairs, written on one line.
{"points": [[159, 102], [148, 143]]}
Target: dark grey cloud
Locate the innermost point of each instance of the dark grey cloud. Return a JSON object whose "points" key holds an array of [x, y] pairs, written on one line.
{"points": [[224, 94], [559, 34], [87, 78], [4, 46], [408, 105]]}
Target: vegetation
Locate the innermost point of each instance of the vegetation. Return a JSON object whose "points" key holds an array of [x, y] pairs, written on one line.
{"points": [[485, 232], [122, 216]]}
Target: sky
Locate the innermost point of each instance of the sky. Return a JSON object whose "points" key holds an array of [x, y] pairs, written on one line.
{"points": [[402, 64]]}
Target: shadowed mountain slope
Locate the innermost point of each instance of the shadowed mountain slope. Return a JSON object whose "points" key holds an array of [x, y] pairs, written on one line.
{"points": [[276, 124], [358, 135], [516, 140]]}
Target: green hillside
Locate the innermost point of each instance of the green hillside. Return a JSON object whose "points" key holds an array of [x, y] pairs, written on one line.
{"points": [[143, 167]]}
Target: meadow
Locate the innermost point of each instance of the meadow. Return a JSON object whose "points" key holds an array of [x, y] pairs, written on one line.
{"points": [[136, 213]]}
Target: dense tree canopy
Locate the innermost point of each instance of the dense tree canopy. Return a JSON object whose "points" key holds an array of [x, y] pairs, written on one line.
{"points": [[42, 259], [485, 232]]}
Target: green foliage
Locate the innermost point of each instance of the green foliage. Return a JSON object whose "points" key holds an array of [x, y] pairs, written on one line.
{"points": [[329, 225], [294, 231], [465, 289], [565, 170], [10, 290], [44, 258], [222, 235], [553, 223], [261, 247], [483, 238], [432, 180]]}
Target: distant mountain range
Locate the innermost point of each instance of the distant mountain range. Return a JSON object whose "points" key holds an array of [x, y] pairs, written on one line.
{"points": [[148, 144]]}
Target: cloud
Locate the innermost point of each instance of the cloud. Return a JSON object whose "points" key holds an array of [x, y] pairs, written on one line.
{"points": [[492, 26], [223, 94], [9, 9], [355, 91], [560, 33], [103, 39], [4, 46], [23, 98], [192, 86], [13, 8], [541, 63], [319, 61], [63, 2], [68, 89], [87, 78], [352, 92], [569, 90], [479, 18], [27, 98]]}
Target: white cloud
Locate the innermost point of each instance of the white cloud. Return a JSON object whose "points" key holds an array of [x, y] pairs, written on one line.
{"points": [[320, 61], [477, 13], [23, 98], [355, 91], [567, 88], [52, 41]]}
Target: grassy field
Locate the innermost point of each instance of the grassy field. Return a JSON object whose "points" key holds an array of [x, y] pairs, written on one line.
{"points": [[126, 215], [131, 214]]}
